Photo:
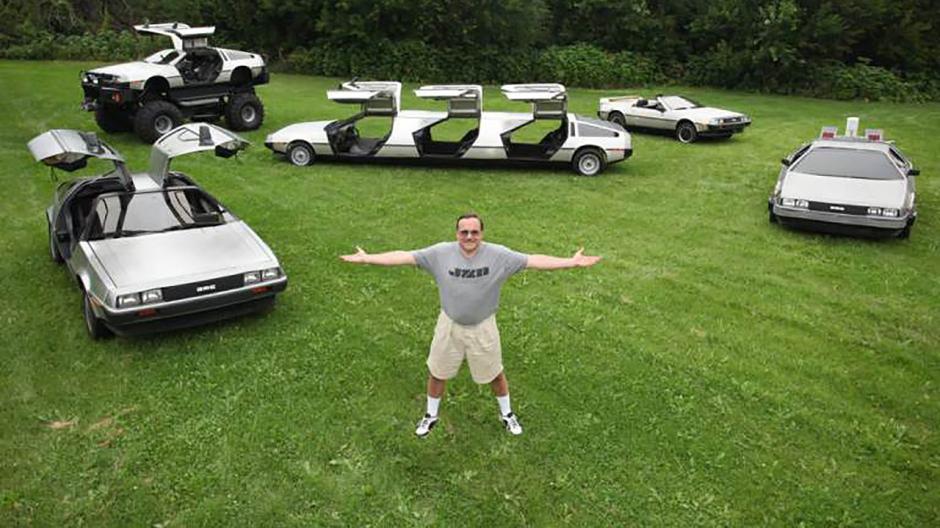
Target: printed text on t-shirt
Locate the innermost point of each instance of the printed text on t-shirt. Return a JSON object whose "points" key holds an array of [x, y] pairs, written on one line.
{"points": [[462, 273]]}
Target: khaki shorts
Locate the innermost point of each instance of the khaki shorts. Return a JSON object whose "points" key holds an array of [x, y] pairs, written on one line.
{"points": [[478, 343]]}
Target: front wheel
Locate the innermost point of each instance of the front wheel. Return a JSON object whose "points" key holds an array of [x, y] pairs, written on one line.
{"points": [[112, 119], [96, 328], [244, 112], [300, 153], [686, 132], [588, 162], [618, 119], [155, 119]]}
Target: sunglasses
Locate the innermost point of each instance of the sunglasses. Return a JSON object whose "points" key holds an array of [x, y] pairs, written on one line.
{"points": [[468, 232]]}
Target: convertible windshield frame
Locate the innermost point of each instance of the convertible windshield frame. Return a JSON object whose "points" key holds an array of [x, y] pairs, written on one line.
{"points": [[124, 214]]}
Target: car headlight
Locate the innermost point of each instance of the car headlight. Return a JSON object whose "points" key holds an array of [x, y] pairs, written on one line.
{"points": [[714, 121], [890, 212], [252, 277], [270, 273], [793, 202], [152, 296], [874, 211], [126, 301]]}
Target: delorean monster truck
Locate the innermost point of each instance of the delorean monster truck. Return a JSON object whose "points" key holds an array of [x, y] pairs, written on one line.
{"points": [[191, 80]]}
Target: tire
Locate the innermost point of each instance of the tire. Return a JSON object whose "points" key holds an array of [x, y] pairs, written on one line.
{"points": [[618, 119], [155, 119], [686, 133], [300, 153], [905, 233], [771, 217], [112, 119], [588, 162], [244, 111], [53, 249], [96, 329]]}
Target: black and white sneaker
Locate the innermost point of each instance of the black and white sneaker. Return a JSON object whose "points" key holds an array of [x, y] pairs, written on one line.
{"points": [[425, 425], [512, 424]]}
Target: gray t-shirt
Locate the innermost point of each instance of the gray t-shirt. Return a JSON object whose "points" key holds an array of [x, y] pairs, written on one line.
{"points": [[469, 288]]}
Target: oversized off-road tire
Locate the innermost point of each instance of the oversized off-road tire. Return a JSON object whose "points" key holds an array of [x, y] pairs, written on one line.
{"points": [[617, 119], [155, 119], [96, 328], [244, 111], [686, 132], [588, 162], [112, 119], [300, 153], [53, 248]]}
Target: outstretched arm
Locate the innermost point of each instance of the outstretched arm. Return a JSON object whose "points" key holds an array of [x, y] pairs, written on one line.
{"points": [[390, 258], [547, 262]]}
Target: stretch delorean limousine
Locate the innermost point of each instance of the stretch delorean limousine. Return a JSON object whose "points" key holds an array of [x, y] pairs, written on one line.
{"points": [[588, 145], [847, 185], [153, 251]]}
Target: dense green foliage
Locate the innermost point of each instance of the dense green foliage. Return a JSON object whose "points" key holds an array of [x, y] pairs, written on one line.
{"points": [[871, 49], [712, 370]]}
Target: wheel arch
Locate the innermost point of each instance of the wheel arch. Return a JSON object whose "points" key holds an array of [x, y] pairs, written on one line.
{"points": [[157, 85], [241, 75]]}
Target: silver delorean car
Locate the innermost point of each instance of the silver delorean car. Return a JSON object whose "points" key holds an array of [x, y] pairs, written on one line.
{"points": [[672, 114], [847, 184], [153, 251], [588, 145]]}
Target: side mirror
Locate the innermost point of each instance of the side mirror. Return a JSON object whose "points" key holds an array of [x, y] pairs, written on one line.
{"points": [[786, 162], [223, 152], [913, 172]]}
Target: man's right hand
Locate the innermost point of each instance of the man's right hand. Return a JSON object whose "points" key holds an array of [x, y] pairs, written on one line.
{"points": [[359, 257]]}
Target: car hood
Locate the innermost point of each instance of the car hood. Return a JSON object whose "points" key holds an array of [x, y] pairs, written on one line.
{"points": [[705, 113], [848, 191], [176, 257], [136, 71]]}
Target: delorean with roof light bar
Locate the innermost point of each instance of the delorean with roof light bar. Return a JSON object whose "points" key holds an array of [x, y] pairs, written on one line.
{"points": [[192, 79], [587, 145], [672, 114], [846, 184], [153, 251]]}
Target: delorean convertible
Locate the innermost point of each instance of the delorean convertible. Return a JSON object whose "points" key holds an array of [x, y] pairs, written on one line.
{"points": [[588, 145], [153, 251], [672, 114], [847, 185]]}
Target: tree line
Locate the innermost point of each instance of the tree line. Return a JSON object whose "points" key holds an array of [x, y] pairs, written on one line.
{"points": [[878, 49]]}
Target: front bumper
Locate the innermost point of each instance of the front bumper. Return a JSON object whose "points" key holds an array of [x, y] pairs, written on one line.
{"points": [[725, 129], [106, 94], [840, 223], [192, 311]]}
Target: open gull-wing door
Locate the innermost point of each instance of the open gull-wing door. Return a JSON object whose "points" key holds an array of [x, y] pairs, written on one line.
{"points": [[549, 101], [69, 150], [463, 100], [190, 138], [377, 98], [183, 36]]}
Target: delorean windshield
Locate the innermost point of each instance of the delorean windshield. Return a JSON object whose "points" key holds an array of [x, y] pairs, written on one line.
{"points": [[679, 103], [162, 57], [848, 163], [139, 213]]}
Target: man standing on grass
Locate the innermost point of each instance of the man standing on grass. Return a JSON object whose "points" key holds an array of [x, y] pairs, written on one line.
{"points": [[469, 275]]}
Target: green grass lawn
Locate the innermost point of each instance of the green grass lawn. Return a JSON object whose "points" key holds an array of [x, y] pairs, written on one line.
{"points": [[713, 369]]}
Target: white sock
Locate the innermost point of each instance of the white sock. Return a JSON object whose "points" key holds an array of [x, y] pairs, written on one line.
{"points": [[433, 405], [504, 407]]}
